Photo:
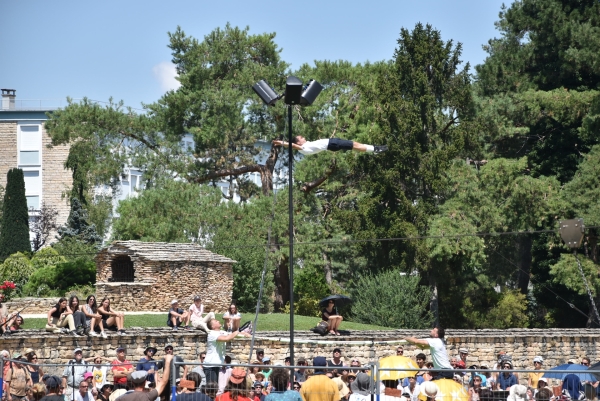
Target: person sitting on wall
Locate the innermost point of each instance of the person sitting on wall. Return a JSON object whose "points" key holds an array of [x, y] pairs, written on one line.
{"points": [[195, 315], [331, 315], [177, 316], [58, 317], [111, 318], [232, 318]]}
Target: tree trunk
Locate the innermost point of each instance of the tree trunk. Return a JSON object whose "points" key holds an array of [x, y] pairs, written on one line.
{"points": [[327, 268], [524, 248], [433, 304], [282, 284], [266, 172]]}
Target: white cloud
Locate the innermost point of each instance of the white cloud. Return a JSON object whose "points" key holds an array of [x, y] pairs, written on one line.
{"points": [[165, 74]]}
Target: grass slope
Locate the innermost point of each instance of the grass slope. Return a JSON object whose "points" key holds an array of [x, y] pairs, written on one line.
{"points": [[266, 322]]}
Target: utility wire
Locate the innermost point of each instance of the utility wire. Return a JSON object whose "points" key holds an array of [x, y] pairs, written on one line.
{"points": [[356, 241]]}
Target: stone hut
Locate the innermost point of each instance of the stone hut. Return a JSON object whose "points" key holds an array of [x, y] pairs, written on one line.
{"points": [[146, 276]]}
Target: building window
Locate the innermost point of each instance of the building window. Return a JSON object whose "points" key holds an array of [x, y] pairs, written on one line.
{"points": [[30, 145], [122, 269], [33, 188]]}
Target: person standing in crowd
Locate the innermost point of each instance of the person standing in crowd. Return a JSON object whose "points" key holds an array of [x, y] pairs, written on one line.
{"points": [[196, 311], [105, 391], [336, 361], [111, 318], [224, 373], [84, 393], [35, 370], [319, 387], [53, 390], [191, 389], [232, 318], [299, 374], [437, 347], [121, 367], [420, 358], [533, 377], [73, 373], [266, 370], [215, 349], [260, 354], [280, 378], [236, 389], [138, 378], [98, 371], [361, 387], [506, 379], [148, 363], [413, 388], [59, 317], [17, 380]]}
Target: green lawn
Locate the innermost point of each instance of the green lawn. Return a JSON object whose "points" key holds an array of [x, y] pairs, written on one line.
{"points": [[266, 322]]}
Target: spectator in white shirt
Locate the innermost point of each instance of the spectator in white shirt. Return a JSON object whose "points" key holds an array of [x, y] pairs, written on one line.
{"points": [[195, 316]]}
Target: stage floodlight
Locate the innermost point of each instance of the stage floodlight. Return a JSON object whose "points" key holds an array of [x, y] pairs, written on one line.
{"points": [[572, 232], [311, 91], [264, 91], [293, 90]]}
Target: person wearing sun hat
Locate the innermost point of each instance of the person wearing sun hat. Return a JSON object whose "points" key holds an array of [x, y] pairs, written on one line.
{"points": [[17, 379], [533, 377], [148, 363], [139, 378], [429, 390], [237, 388], [361, 387]]}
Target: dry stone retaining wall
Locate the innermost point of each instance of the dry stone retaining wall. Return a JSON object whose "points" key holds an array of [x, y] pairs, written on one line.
{"points": [[556, 346]]}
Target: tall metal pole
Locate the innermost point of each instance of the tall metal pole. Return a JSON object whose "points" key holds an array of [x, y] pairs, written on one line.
{"points": [[291, 241]]}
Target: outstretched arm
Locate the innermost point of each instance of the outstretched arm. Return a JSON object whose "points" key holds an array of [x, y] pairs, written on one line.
{"points": [[277, 142]]}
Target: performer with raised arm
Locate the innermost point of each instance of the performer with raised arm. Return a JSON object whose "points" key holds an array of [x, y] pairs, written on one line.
{"points": [[437, 347], [333, 144]]}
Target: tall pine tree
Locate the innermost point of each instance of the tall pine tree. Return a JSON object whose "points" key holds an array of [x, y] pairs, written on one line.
{"points": [[14, 236]]}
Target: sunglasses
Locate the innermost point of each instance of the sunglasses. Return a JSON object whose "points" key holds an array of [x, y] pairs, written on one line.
{"points": [[583, 363], [296, 388]]}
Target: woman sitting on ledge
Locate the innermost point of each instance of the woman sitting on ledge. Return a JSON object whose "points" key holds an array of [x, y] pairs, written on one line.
{"points": [[332, 317], [110, 317], [59, 317]]}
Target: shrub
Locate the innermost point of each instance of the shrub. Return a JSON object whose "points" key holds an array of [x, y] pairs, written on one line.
{"points": [[16, 268], [391, 299]]}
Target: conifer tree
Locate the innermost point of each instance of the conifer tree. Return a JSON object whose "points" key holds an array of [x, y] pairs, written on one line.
{"points": [[14, 236]]}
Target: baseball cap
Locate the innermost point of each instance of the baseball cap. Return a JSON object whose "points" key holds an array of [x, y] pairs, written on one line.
{"points": [[538, 359], [302, 360], [168, 345], [173, 302], [319, 361], [119, 349], [197, 298], [53, 382], [237, 376], [139, 376], [87, 374], [77, 350], [16, 355], [337, 350], [543, 379], [266, 359], [257, 383], [463, 350]]}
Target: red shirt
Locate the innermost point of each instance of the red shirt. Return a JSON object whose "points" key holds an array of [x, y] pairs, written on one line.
{"points": [[124, 366], [227, 397]]}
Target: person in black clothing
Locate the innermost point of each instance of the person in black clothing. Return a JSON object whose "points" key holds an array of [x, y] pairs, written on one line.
{"points": [[53, 387], [336, 361], [330, 315], [78, 315], [105, 392]]}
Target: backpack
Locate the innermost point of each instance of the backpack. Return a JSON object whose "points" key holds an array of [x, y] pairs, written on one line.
{"points": [[321, 328], [246, 327]]}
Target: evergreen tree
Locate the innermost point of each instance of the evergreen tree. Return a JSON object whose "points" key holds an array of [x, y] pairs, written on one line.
{"points": [[78, 226], [14, 236]]}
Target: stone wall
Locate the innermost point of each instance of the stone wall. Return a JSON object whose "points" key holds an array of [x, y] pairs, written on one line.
{"points": [[8, 148], [556, 346], [31, 305], [165, 281]]}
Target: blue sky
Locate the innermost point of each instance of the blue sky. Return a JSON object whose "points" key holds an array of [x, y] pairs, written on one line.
{"points": [[51, 50]]}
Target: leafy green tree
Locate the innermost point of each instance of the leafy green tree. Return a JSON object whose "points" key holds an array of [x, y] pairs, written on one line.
{"points": [[78, 226], [16, 268], [14, 236], [392, 299]]}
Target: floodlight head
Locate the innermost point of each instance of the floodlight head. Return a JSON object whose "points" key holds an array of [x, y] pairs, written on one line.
{"points": [[293, 90], [571, 231], [311, 91], [264, 91]]}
